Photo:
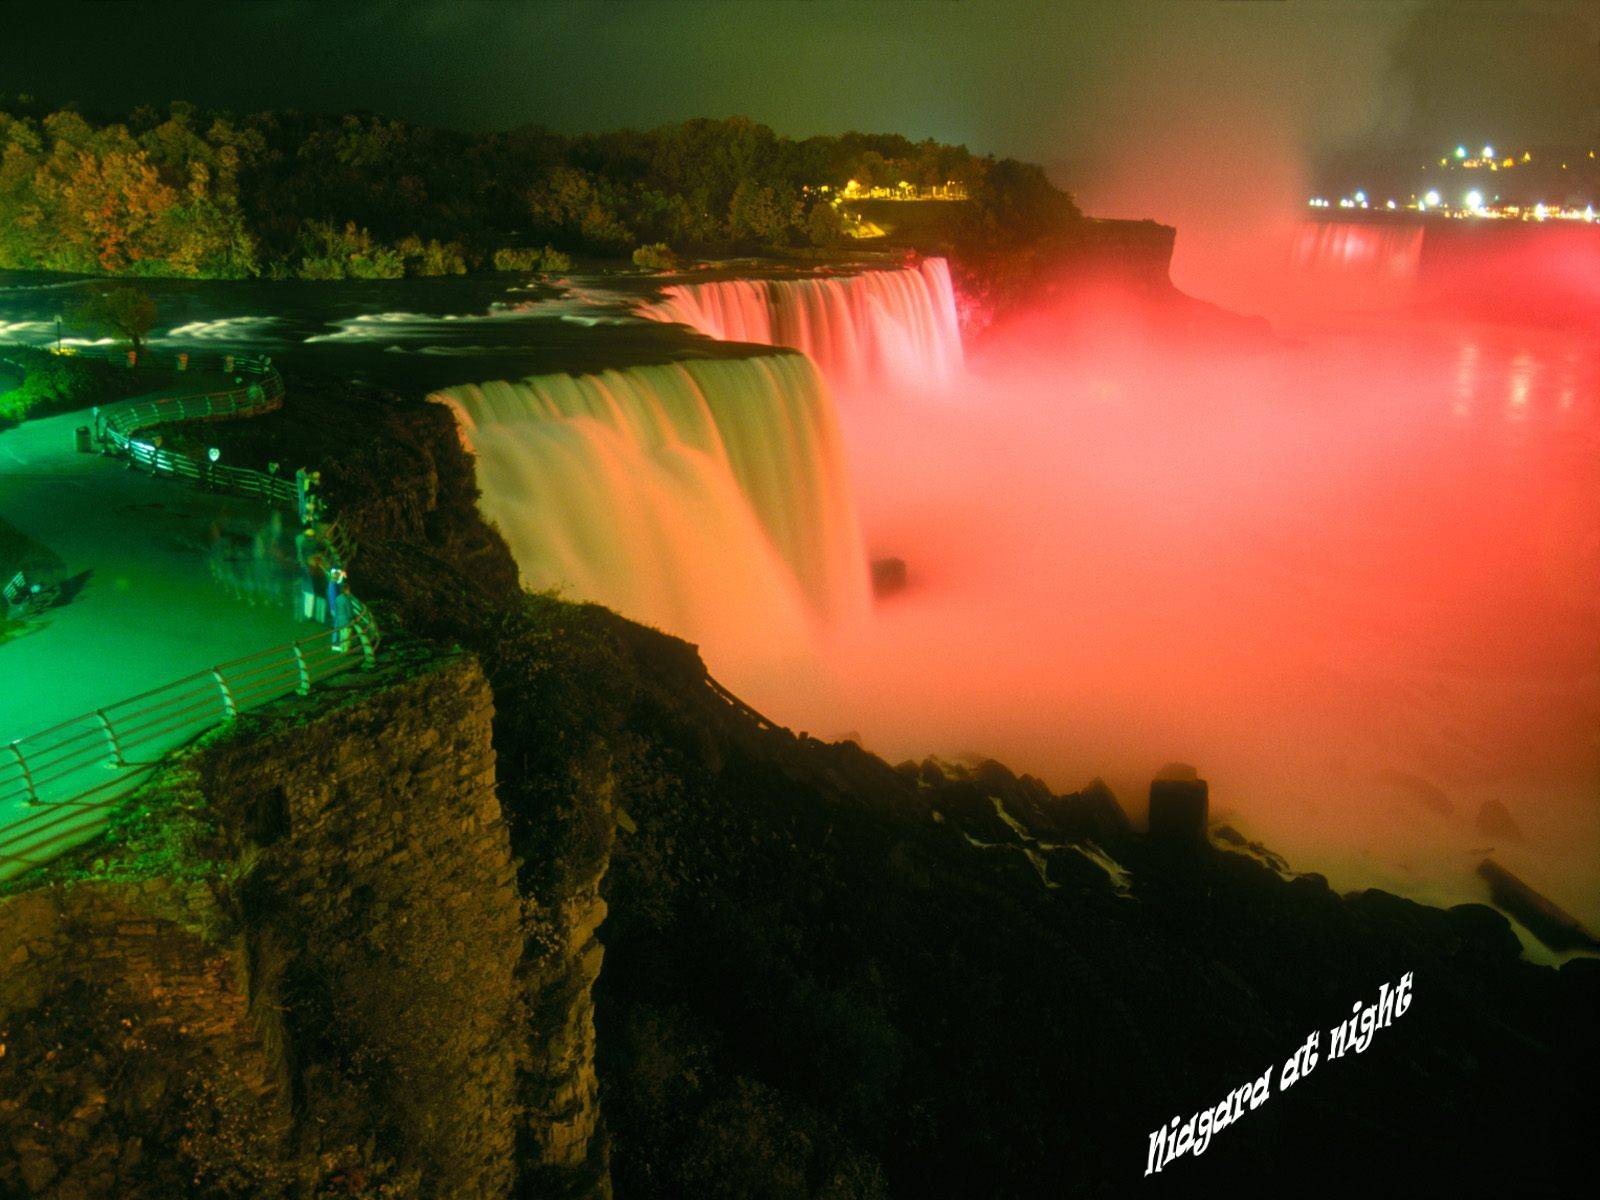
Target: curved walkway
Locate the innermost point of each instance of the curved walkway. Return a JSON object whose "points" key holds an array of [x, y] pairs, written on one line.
{"points": [[144, 604]]}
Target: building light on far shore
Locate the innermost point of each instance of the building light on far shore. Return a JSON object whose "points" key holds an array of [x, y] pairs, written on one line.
{"points": [[1461, 151], [1431, 200], [1488, 151], [1474, 201]]}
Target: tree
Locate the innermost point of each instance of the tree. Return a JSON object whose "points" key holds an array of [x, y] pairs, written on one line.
{"points": [[757, 214], [121, 310], [823, 225]]}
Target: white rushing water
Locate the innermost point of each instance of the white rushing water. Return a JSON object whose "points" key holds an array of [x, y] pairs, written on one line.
{"points": [[875, 329], [709, 498]]}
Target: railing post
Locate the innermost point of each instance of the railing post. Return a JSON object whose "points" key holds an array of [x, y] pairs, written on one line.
{"points": [[111, 739], [369, 649], [27, 775], [305, 673], [229, 708]]}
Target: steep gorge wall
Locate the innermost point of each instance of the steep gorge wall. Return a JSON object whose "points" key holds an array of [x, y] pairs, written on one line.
{"points": [[309, 965]]}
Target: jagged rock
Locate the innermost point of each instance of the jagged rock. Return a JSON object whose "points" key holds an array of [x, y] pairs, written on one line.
{"points": [[1102, 816], [1494, 821], [1486, 930], [972, 810], [1542, 916], [1418, 790]]}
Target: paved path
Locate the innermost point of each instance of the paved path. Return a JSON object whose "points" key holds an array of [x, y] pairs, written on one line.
{"points": [[149, 611]]}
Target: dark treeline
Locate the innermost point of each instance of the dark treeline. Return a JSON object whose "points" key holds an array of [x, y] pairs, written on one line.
{"points": [[189, 192]]}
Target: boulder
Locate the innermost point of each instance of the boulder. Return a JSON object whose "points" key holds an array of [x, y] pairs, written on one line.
{"points": [[1179, 809], [1494, 821], [888, 576]]}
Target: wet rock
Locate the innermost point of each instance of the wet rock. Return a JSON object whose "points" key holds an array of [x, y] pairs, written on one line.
{"points": [[1494, 821], [1417, 790], [888, 576], [1101, 815], [1542, 916]]}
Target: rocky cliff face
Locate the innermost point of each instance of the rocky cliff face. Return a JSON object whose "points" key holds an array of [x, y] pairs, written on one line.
{"points": [[298, 964]]}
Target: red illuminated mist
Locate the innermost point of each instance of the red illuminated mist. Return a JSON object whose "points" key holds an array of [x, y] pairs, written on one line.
{"points": [[1333, 574]]}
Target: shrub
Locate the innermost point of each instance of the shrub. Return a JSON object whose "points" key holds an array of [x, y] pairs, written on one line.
{"points": [[432, 257], [656, 257], [554, 262], [530, 258], [329, 252], [56, 383]]}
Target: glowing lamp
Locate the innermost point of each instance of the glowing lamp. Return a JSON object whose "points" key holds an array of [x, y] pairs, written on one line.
{"points": [[213, 454], [1474, 200], [1390, 204], [1488, 151], [1361, 197], [1431, 200], [1461, 151]]}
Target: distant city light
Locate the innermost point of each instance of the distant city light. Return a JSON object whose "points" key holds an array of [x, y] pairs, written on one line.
{"points": [[1539, 211], [1488, 151], [1474, 200], [1431, 200], [1461, 151], [1390, 204]]}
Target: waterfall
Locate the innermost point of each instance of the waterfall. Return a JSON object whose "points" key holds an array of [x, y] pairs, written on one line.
{"points": [[706, 497], [1378, 253], [893, 328]]}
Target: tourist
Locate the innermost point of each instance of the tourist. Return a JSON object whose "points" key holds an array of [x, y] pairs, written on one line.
{"points": [[339, 609], [305, 549], [316, 584]]}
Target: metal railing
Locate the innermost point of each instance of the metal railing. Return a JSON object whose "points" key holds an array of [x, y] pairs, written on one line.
{"points": [[121, 424], [68, 779]]}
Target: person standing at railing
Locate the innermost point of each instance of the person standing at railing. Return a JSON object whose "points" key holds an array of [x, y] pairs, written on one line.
{"points": [[339, 610], [313, 575]]}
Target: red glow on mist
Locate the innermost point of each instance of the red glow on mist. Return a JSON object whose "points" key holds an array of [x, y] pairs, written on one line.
{"points": [[1139, 533]]}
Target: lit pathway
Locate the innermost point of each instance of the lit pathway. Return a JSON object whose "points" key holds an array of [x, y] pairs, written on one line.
{"points": [[149, 612]]}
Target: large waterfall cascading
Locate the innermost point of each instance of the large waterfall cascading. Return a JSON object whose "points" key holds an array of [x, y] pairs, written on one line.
{"points": [[894, 328], [707, 497], [1379, 253]]}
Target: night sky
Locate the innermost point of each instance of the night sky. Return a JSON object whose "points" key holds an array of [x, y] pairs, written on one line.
{"points": [[1095, 90]]}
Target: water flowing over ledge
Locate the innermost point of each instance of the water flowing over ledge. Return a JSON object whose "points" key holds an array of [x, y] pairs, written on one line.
{"points": [[707, 497], [895, 328]]}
